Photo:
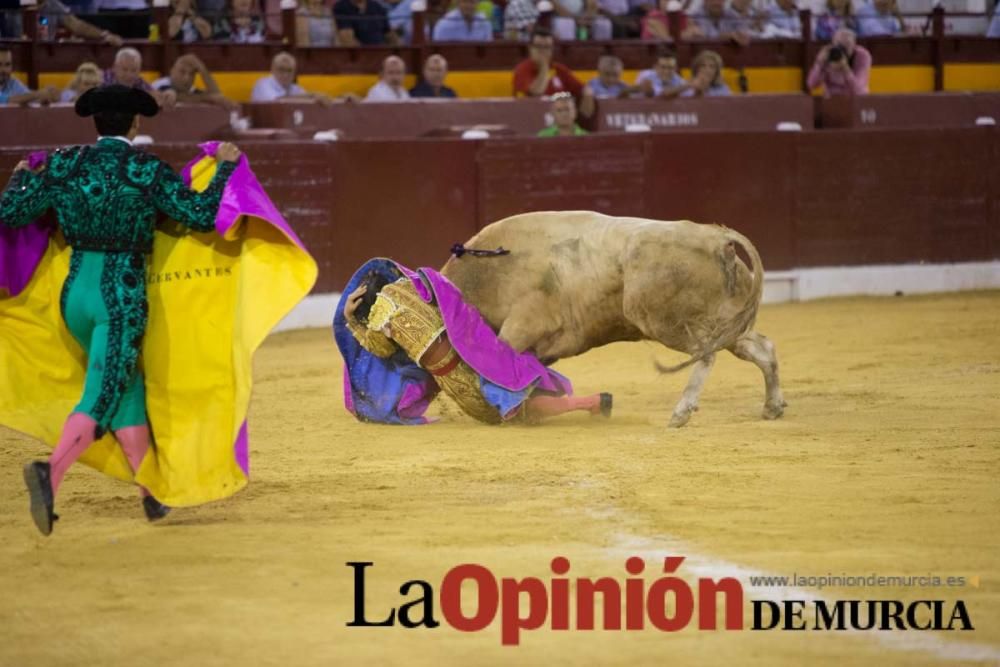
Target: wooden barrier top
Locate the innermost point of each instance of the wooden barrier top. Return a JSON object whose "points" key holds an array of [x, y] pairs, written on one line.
{"points": [[739, 112], [58, 125], [396, 120], [418, 118], [930, 110]]}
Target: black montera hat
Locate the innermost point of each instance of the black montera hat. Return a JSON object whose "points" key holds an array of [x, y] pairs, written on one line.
{"points": [[116, 98]]}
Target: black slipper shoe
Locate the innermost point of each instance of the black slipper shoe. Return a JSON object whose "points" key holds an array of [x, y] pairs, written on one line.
{"points": [[606, 402], [37, 477], [155, 510]]}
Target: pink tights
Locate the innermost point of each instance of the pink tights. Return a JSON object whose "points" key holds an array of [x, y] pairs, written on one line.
{"points": [[539, 407], [78, 434]]}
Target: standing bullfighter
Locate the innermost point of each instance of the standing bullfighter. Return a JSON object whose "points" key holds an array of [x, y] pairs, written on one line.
{"points": [[106, 198]]}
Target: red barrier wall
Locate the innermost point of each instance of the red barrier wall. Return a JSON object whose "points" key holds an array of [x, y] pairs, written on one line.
{"points": [[604, 174], [59, 125], [896, 196], [847, 197], [745, 181]]}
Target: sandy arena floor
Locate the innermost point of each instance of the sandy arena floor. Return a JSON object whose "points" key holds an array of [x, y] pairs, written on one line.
{"points": [[887, 461]]}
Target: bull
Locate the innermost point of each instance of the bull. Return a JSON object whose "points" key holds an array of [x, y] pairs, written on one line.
{"points": [[575, 280]]}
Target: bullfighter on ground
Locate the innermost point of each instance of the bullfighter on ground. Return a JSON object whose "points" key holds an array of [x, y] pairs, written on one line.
{"points": [[424, 337]]}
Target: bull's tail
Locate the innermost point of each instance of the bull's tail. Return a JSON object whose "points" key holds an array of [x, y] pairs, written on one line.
{"points": [[739, 323], [744, 320]]}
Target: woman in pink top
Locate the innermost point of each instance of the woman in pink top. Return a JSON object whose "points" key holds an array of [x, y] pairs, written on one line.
{"points": [[842, 67], [656, 25]]}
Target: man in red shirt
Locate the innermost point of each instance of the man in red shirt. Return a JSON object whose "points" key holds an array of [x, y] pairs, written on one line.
{"points": [[538, 76]]}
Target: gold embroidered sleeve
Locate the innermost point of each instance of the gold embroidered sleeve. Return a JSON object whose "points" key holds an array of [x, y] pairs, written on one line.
{"points": [[381, 312], [374, 341]]}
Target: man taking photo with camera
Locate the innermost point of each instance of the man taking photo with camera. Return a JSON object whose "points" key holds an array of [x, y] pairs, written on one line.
{"points": [[842, 66]]}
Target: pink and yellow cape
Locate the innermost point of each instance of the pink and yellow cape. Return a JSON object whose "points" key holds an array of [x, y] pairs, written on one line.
{"points": [[213, 298]]}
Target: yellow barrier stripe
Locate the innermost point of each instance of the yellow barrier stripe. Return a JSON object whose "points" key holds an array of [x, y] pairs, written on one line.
{"points": [[494, 83]]}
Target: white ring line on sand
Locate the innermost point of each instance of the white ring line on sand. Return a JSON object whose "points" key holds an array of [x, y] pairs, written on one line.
{"points": [[702, 566]]}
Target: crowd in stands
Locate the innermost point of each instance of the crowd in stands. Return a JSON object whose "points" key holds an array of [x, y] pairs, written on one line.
{"points": [[325, 23], [841, 67]]}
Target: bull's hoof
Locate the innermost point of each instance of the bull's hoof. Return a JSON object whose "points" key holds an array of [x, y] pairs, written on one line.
{"points": [[773, 410], [680, 418]]}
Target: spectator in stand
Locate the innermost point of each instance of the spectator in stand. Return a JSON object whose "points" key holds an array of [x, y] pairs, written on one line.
{"points": [[127, 71], [783, 21], [880, 18], [706, 77], [53, 15], [608, 83], [10, 20], [519, 18], [750, 21], [624, 22], [401, 18], [538, 75], [994, 29], [493, 13], [662, 80], [656, 24], [243, 25], [128, 18], [390, 84], [181, 82], [463, 24], [579, 19], [838, 14], [563, 118], [363, 22], [842, 66], [88, 75], [280, 85], [720, 22], [314, 25], [432, 83], [13, 91], [184, 24], [213, 10]]}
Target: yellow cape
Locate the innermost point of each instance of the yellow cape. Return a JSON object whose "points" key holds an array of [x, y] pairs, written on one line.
{"points": [[212, 301]]}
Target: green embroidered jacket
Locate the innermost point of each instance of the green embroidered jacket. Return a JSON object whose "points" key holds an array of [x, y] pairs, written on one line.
{"points": [[106, 196]]}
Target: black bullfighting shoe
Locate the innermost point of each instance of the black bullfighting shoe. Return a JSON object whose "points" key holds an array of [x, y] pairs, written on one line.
{"points": [[606, 402], [38, 479], [155, 510]]}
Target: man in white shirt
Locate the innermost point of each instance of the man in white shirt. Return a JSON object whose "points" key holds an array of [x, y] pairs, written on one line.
{"points": [[463, 24], [127, 71], [280, 85], [662, 80], [390, 85], [879, 18], [181, 82], [782, 21]]}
